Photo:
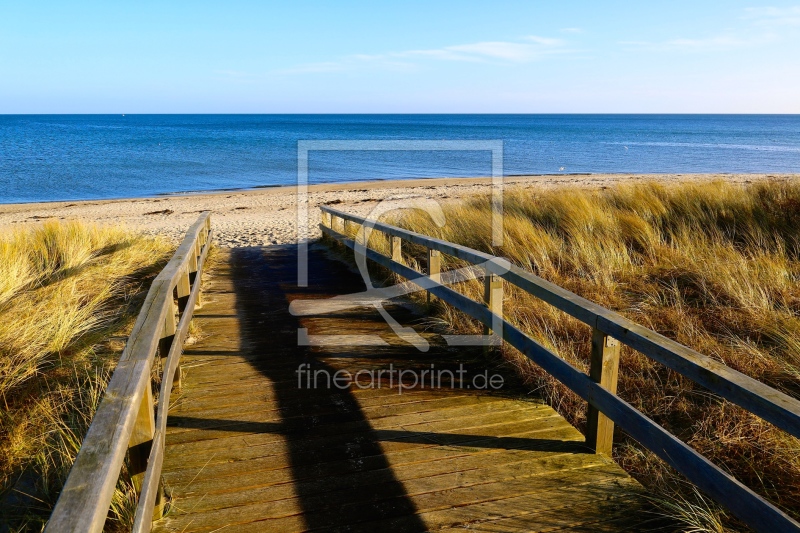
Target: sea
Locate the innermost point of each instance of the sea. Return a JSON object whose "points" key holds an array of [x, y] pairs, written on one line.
{"points": [[81, 157]]}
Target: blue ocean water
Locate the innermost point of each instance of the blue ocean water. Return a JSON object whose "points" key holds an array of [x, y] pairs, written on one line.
{"points": [[67, 157]]}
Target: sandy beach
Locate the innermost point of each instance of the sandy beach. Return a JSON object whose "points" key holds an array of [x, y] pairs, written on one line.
{"points": [[269, 215]]}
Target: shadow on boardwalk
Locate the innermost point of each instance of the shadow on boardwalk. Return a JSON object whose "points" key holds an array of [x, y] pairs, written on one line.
{"points": [[265, 286], [250, 450]]}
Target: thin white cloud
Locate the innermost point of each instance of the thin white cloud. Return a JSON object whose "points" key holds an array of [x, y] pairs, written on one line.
{"points": [[773, 16], [705, 44], [721, 42], [718, 42], [534, 48], [571, 30], [529, 48], [762, 26]]}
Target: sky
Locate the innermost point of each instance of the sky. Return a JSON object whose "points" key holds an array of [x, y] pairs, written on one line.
{"points": [[400, 57]]}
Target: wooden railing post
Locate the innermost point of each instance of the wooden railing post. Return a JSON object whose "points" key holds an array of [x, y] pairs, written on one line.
{"points": [[326, 219], [167, 336], [140, 445], [434, 268], [183, 288], [337, 224], [141, 441], [158, 508], [603, 369], [193, 260], [493, 297], [397, 249]]}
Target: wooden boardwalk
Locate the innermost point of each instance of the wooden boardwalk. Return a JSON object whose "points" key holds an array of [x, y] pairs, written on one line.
{"points": [[248, 450]]}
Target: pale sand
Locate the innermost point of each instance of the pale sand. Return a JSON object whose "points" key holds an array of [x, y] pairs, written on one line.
{"points": [[268, 216]]}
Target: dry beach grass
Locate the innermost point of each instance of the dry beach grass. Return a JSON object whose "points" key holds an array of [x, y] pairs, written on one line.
{"points": [[714, 265], [68, 295]]}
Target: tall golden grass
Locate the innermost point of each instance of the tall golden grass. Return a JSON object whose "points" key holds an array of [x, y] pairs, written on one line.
{"points": [[715, 266], [69, 293]]}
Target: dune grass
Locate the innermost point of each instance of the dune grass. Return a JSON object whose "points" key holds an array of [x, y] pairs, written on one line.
{"points": [[69, 293], [715, 266]]}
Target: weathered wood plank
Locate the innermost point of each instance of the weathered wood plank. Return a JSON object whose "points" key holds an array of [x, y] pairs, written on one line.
{"points": [[259, 422], [427, 492], [509, 435], [365, 503], [554, 429]]}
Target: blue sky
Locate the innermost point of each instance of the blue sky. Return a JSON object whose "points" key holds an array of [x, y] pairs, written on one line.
{"points": [[427, 57]]}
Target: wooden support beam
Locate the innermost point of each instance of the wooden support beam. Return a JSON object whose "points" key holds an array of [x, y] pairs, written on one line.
{"points": [[493, 298], [142, 438], [397, 249], [604, 370], [183, 288], [167, 337], [193, 275], [434, 268], [337, 224], [193, 257]]}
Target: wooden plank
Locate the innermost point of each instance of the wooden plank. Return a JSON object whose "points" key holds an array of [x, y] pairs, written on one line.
{"points": [[412, 463], [452, 432], [579, 491], [378, 403], [427, 491], [342, 499], [603, 370], [397, 448], [199, 428], [563, 511], [419, 450]]}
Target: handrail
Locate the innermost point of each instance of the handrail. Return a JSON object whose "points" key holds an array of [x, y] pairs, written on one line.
{"points": [[124, 422], [599, 387]]}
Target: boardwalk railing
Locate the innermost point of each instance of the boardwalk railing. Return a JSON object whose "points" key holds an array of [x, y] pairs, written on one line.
{"points": [[598, 388], [125, 422]]}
